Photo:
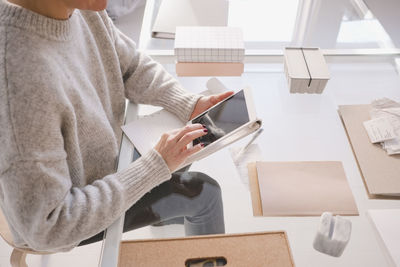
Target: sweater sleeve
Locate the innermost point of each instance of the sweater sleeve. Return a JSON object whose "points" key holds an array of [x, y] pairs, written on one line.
{"points": [[52, 215], [147, 82], [57, 185]]}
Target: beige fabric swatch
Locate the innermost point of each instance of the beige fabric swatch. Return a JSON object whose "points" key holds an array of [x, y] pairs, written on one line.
{"points": [[304, 188]]}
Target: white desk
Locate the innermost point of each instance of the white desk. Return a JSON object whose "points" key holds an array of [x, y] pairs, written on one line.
{"points": [[297, 128], [300, 128]]}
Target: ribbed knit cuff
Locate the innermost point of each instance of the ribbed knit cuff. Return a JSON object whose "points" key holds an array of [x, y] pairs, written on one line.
{"points": [[179, 102], [143, 175]]}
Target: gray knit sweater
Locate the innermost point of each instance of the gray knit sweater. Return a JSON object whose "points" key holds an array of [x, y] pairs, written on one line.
{"points": [[63, 85]]}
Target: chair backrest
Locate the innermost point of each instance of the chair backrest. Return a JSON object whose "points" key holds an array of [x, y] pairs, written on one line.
{"points": [[5, 232]]}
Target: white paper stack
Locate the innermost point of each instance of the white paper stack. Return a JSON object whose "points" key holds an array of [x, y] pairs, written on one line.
{"points": [[209, 51], [385, 124], [306, 70]]}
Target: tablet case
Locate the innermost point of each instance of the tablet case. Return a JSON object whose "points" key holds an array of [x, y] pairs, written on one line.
{"points": [[145, 132]]}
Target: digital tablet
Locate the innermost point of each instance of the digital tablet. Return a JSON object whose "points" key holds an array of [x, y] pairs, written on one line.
{"points": [[226, 117]]}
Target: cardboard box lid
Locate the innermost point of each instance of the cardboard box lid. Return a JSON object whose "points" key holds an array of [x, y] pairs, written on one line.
{"points": [[250, 249], [296, 64], [308, 67], [381, 172], [316, 63]]}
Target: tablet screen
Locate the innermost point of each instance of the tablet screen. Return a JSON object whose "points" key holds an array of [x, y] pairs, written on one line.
{"points": [[223, 118]]}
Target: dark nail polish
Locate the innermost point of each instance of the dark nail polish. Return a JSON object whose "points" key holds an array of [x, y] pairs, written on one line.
{"points": [[203, 126], [205, 130], [202, 145]]}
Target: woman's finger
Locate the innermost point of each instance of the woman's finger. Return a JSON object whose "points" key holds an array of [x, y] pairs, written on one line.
{"points": [[188, 128], [193, 150], [215, 99], [190, 136]]}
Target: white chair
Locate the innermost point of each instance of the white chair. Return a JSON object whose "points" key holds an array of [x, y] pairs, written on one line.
{"points": [[18, 255]]}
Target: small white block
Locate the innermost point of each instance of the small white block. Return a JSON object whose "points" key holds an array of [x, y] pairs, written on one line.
{"points": [[306, 70], [333, 234]]}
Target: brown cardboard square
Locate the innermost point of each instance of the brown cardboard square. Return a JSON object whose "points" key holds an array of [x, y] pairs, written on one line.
{"points": [[262, 249], [380, 172], [209, 69], [300, 189], [304, 188]]}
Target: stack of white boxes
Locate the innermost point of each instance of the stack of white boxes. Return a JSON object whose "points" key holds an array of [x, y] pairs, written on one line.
{"points": [[306, 70], [209, 51]]}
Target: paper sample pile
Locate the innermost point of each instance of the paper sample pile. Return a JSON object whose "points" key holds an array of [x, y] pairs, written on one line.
{"points": [[379, 170], [209, 51], [385, 125]]}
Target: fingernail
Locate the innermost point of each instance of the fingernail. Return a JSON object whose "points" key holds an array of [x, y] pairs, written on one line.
{"points": [[202, 145], [203, 126], [205, 130]]}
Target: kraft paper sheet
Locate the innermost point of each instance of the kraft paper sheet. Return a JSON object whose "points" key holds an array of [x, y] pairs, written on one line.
{"points": [[300, 189]]}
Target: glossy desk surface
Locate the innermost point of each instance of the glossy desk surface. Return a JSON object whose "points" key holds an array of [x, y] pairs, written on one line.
{"points": [[296, 128]]}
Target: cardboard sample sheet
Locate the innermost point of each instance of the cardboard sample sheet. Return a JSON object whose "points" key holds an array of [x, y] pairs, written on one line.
{"points": [[300, 189], [209, 69], [252, 249], [381, 172]]}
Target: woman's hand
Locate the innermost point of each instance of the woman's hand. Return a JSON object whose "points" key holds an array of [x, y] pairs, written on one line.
{"points": [[207, 102], [173, 145]]}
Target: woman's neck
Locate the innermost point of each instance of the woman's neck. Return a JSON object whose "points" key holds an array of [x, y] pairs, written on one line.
{"points": [[49, 8]]}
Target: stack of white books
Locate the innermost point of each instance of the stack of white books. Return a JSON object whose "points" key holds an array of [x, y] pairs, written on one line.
{"points": [[209, 51]]}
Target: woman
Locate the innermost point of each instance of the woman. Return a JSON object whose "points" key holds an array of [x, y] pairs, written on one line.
{"points": [[65, 73]]}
